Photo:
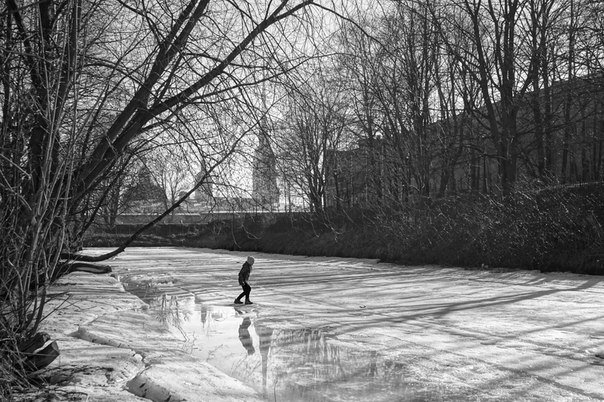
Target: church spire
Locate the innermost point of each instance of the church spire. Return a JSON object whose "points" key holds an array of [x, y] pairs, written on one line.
{"points": [[265, 191]]}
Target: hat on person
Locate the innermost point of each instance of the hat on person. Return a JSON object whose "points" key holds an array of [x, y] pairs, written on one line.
{"points": [[250, 260]]}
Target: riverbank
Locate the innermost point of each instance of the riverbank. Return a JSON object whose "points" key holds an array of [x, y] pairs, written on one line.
{"points": [[113, 350], [549, 231]]}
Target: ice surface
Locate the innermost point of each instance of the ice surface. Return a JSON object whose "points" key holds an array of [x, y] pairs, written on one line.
{"points": [[335, 329]]}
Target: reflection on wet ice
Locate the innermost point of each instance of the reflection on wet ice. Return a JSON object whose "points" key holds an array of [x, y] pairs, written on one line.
{"points": [[283, 363], [295, 363], [172, 311], [265, 335]]}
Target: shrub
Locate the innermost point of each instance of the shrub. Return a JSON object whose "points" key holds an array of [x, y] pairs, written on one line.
{"points": [[524, 230], [554, 229]]}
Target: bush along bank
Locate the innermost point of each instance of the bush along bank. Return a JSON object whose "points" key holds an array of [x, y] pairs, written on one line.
{"points": [[546, 230]]}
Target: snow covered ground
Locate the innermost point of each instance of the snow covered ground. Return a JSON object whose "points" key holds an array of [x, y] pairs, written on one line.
{"points": [[324, 329]]}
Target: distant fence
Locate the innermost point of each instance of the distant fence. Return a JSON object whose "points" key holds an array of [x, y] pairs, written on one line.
{"points": [[183, 218]]}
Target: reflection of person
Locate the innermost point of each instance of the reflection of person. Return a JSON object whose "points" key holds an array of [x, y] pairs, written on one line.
{"points": [[244, 276], [244, 336], [265, 334]]}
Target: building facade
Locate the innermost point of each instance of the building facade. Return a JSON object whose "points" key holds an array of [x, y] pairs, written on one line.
{"points": [[556, 137]]}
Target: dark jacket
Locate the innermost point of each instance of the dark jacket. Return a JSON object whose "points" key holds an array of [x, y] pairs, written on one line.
{"points": [[244, 274]]}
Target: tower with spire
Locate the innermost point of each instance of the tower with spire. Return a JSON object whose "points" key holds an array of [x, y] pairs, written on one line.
{"points": [[265, 192], [264, 176], [204, 193]]}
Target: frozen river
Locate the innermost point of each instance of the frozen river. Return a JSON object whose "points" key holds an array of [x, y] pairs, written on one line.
{"points": [[345, 329]]}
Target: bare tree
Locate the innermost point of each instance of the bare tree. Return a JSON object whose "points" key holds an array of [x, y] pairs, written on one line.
{"points": [[394, 74], [315, 122], [81, 81], [360, 69]]}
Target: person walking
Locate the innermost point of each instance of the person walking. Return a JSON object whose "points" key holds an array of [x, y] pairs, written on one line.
{"points": [[244, 276]]}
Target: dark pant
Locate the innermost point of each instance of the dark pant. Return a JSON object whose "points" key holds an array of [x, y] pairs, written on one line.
{"points": [[246, 292]]}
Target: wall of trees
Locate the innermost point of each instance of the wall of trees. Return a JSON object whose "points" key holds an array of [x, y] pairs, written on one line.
{"points": [[439, 98]]}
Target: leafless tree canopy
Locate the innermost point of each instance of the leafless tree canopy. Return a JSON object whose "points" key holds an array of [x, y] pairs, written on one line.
{"points": [[89, 86]]}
